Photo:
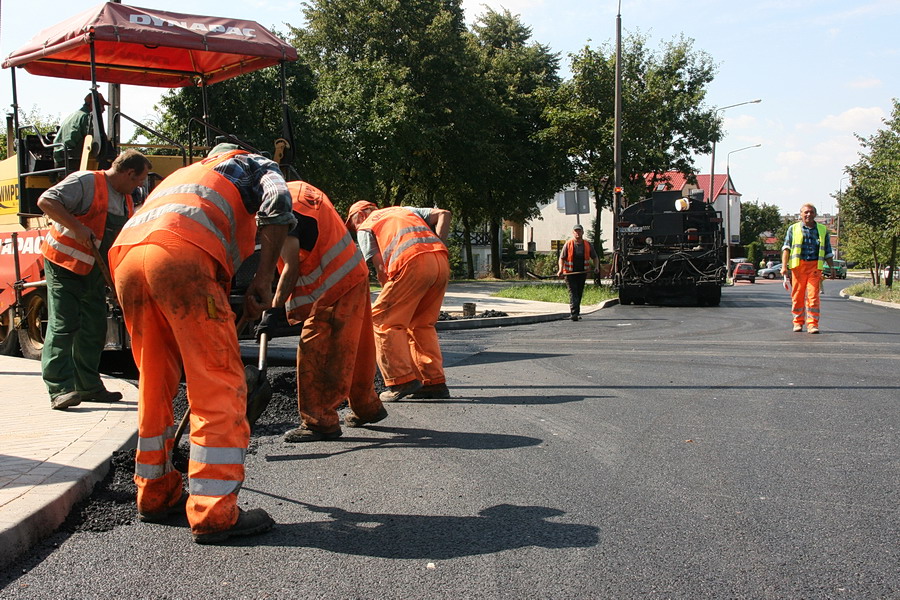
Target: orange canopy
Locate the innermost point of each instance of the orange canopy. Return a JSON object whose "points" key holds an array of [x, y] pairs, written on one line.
{"points": [[142, 46]]}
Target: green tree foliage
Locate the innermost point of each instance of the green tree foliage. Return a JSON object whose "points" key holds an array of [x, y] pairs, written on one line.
{"points": [[249, 107], [870, 208], [756, 220], [664, 120], [29, 122], [394, 91], [521, 167]]}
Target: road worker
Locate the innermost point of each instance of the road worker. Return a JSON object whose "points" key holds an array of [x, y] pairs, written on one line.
{"points": [[573, 265], [72, 132], [173, 264], [407, 248], [325, 285], [85, 208], [806, 250]]}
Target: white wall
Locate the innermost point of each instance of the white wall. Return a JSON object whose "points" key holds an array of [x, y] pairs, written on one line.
{"points": [[734, 219], [555, 224]]}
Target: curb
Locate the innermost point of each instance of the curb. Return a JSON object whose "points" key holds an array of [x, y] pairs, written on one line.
{"points": [[843, 293], [458, 324]]}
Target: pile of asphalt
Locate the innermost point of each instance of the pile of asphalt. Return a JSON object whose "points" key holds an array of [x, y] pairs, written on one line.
{"points": [[113, 500], [445, 316]]}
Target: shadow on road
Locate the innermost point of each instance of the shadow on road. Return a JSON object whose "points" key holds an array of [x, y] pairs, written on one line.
{"points": [[416, 438], [385, 535]]}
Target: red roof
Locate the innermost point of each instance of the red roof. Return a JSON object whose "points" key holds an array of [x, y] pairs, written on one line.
{"points": [[142, 46], [677, 181]]}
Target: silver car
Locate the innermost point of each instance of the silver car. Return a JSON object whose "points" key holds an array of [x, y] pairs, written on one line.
{"points": [[770, 272]]}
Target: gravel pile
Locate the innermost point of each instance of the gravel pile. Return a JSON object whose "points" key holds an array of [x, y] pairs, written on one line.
{"points": [[112, 502]]}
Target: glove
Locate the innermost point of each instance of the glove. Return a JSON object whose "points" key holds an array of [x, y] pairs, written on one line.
{"points": [[271, 319]]}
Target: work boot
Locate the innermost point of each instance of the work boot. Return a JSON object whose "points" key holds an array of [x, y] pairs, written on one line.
{"points": [[164, 515], [249, 522], [798, 328], [437, 391], [64, 401], [101, 396], [354, 420], [396, 392], [812, 329], [305, 434]]}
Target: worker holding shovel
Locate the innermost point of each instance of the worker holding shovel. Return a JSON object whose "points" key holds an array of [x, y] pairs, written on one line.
{"points": [[573, 259], [172, 265], [324, 285]]}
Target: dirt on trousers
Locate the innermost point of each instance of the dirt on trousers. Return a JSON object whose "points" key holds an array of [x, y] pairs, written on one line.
{"points": [[113, 501]]}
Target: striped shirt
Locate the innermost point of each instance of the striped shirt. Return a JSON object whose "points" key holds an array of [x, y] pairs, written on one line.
{"points": [[809, 250], [262, 187]]}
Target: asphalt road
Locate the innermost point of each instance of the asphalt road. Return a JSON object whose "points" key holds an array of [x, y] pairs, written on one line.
{"points": [[642, 452]]}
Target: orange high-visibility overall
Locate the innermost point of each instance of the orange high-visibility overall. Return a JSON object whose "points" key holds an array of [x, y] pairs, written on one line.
{"points": [[406, 310], [336, 354], [173, 265], [806, 281]]}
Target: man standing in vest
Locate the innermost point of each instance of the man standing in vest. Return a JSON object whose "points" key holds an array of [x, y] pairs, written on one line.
{"points": [[806, 250], [173, 264], [324, 285], [406, 247], [573, 261], [87, 207], [72, 132]]}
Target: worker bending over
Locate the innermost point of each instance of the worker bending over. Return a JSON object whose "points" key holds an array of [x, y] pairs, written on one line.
{"points": [[325, 286], [406, 247], [85, 208], [173, 264]]}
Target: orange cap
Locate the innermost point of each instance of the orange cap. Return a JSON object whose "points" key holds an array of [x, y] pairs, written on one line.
{"points": [[357, 207]]}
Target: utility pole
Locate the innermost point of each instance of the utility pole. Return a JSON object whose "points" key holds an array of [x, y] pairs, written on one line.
{"points": [[617, 136]]}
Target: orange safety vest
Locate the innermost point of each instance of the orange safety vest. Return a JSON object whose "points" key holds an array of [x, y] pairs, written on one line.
{"points": [[60, 248], [334, 265], [200, 206], [401, 235], [569, 255]]}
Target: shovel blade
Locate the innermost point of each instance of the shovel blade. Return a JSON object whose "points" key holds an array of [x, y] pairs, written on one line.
{"points": [[259, 393]]}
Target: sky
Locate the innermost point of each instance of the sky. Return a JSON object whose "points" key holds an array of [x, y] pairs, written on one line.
{"points": [[825, 71]]}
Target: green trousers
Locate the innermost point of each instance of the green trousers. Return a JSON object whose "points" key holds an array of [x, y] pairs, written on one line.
{"points": [[76, 330]]}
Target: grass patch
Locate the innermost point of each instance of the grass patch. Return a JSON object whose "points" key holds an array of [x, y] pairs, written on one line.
{"points": [[875, 292], [549, 292]]}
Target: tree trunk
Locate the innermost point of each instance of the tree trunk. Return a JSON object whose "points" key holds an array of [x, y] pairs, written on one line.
{"points": [[467, 244], [892, 263]]}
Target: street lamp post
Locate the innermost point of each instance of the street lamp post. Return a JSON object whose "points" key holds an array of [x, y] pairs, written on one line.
{"points": [[728, 202], [712, 166]]}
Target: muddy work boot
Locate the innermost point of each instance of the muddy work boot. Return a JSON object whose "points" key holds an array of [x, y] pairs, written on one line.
{"points": [[250, 522], [101, 396], [396, 392], [162, 516], [438, 391], [305, 434], [354, 420], [66, 400]]}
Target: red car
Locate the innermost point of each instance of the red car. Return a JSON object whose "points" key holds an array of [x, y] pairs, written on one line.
{"points": [[744, 271]]}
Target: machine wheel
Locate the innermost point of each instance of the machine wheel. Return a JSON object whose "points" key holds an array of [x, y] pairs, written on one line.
{"points": [[31, 336], [9, 339], [712, 296]]}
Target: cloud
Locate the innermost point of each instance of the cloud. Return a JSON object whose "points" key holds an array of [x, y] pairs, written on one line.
{"points": [[865, 84], [856, 119]]}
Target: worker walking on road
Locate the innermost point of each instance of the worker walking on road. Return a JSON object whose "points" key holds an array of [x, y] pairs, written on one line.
{"points": [[407, 248], [173, 264], [325, 285], [574, 259], [806, 250], [87, 207]]}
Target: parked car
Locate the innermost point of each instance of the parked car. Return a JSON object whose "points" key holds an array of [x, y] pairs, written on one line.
{"points": [[744, 271], [770, 272], [840, 269], [886, 271]]}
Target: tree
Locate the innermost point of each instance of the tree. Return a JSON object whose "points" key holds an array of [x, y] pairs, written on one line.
{"points": [[663, 123], [872, 204], [756, 220], [522, 168], [392, 95]]}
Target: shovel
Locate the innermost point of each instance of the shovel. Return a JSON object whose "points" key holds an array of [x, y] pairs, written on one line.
{"points": [[259, 391]]}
